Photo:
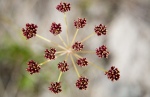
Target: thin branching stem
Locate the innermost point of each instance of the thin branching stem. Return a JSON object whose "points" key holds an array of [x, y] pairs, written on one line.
{"points": [[43, 38], [74, 66], [89, 36], [51, 42], [59, 52], [59, 76], [62, 40], [65, 18], [67, 57], [44, 62], [74, 36], [50, 60], [86, 52]]}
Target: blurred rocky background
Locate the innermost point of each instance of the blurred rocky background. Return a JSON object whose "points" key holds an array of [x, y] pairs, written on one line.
{"points": [[128, 40]]}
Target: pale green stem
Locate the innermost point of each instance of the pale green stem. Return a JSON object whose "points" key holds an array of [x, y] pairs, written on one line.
{"points": [[89, 36], [59, 52], [74, 36], [50, 60], [75, 66], [86, 52], [66, 57], [66, 28], [59, 76], [51, 42], [43, 38], [44, 62], [62, 40]]}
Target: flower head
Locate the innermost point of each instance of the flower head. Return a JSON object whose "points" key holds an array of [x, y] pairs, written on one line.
{"points": [[102, 52], [80, 23], [71, 49], [82, 62], [33, 67], [63, 7], [50, 54], [82, 83], [55, 87], [77, 46], [63, 66], [55, 28], [100, 29], [30, 30], [113, 73]]}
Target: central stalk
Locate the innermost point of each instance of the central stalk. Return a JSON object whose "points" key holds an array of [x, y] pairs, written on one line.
{"points": [[69, 50]]}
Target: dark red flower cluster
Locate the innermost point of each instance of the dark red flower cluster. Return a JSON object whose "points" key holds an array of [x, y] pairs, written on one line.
{"points": [[63, 7], [33, 67], [82, 83], [82, 62], [30, 30], [77, 46], [80, 23], [100, 29], [55, 87], [102, 52], [69, 49], [63, 66], [113, 73], [50, 54], [55, 28]]}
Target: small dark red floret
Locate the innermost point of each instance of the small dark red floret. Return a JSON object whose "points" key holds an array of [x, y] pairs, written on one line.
{"points": [[82, 83], [102, 51], [63, 66], [30, 30], [100, 29], [55, 87], [82, 62], [77, 46], [113, 73], [80, 23], [33, 67], [50, 54], [63, 7], [55, 28]]}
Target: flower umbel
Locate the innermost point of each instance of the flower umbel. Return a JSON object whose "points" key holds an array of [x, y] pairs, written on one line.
{"points": [[80, 23], [82, 83], [55, 87], [100, 29], [63, 66], [33, 67], [82, 62], [102, 52], [30, 30], [55, 28], [77, 46], [71, 48], [113, 73], [50, 54], [63, 7]]}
